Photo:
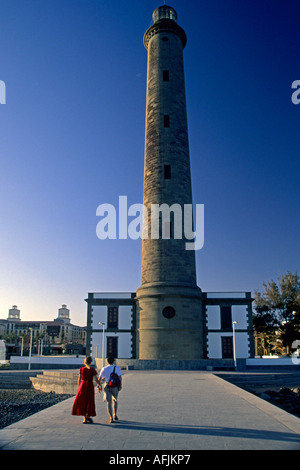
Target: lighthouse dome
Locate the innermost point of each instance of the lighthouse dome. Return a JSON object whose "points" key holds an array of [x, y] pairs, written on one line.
{"points": [[164, 12]]}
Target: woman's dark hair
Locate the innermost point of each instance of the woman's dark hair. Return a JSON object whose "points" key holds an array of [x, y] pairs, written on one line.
{"points": [[88, 360]]}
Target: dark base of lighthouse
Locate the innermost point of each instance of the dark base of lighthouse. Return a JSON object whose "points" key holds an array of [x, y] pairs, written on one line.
{"points": [[147, 339], [177, 364], [170, 323]]}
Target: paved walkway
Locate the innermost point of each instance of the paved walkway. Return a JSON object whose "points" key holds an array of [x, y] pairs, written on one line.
{"points": [[163, 410]]}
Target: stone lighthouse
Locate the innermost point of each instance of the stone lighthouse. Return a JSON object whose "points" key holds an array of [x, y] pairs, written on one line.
{"points": [[169, 302]]}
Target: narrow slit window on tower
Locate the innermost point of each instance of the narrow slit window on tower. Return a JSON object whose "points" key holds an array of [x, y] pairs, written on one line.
{"points": [[167, 172], [165, 75], [166, 120]]}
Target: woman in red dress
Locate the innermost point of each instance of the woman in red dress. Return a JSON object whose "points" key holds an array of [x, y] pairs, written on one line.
{"points": [[84, 403]]}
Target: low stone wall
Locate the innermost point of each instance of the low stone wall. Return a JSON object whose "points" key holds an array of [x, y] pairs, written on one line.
{"points": [[46, 362], [75, 362], [14, 379], [169, 364], [273, 363], [60, 382]]}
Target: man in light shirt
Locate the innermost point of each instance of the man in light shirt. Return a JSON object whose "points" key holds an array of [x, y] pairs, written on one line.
{"points": [[110, 394]]}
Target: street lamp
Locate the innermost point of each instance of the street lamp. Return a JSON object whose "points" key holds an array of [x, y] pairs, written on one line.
{"points": [[22, 345], [234, 349], [30, 346], [103, 324], [40, 350]]}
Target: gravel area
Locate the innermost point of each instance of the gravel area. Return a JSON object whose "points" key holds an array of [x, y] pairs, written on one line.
{"points": [[19, 404], [286, 398]]}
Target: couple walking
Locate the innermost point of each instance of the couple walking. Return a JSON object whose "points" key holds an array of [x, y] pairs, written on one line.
{"points": [[84, 403]]}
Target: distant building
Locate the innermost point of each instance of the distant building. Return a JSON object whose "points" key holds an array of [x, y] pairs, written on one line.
{"points": [[14, 313], [63, 314], [54, 336]]}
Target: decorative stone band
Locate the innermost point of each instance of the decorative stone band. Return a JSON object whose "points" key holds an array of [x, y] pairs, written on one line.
{"points": [[165, 26]]}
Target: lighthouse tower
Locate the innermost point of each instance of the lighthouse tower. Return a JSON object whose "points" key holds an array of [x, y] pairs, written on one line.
{"points": [[169, 305]]}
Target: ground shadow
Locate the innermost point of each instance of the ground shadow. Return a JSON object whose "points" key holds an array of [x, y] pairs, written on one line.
{"points": [[207, 431]]}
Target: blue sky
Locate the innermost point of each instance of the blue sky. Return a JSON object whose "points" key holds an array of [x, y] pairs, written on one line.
{"points": [[72, 137]]}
